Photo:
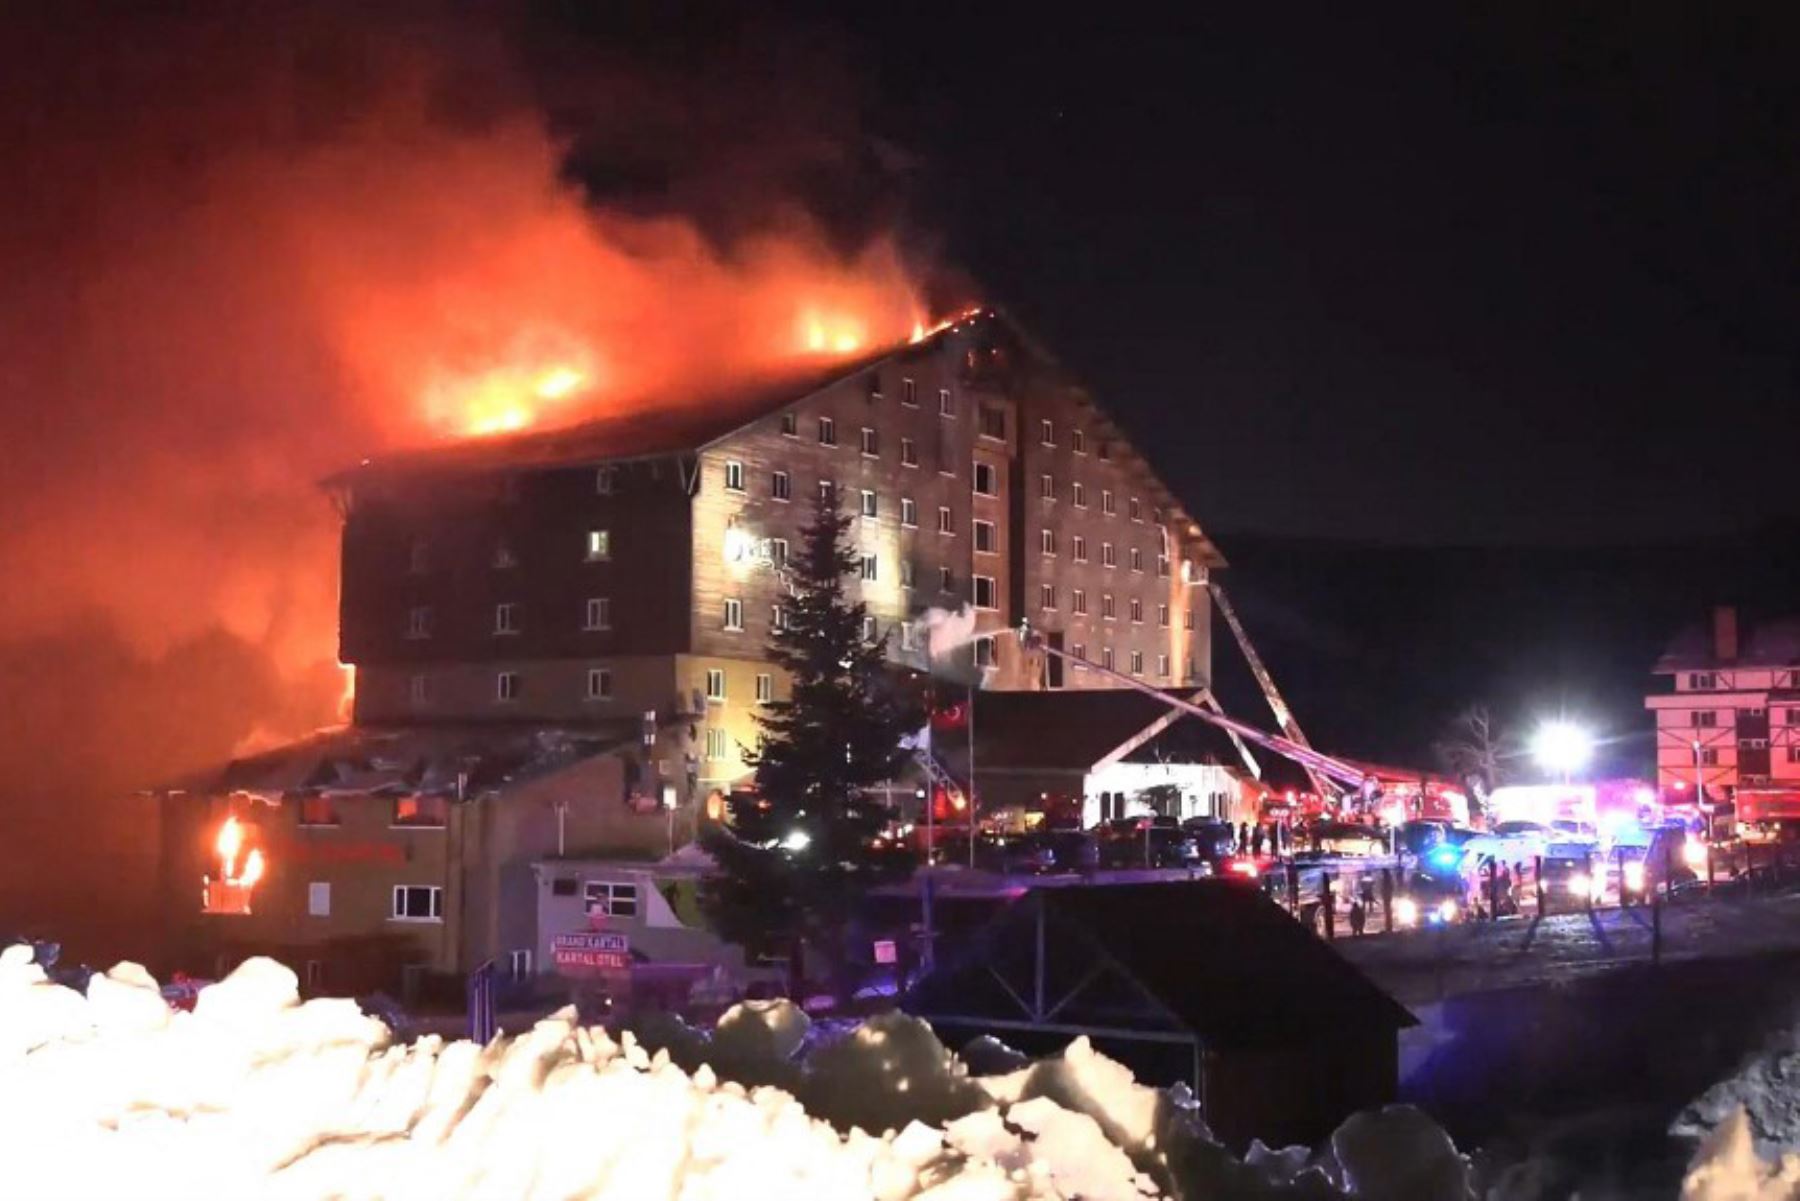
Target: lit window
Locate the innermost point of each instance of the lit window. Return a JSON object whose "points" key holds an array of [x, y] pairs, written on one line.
{"points": [[909, 393], [717, 747], [599, 545], [1106, 502], [909, 511], [715, 683], [1078, 547], [984, 537], [1078, 601], [945, 525], [1137, 610], [1187, 619], [1106, 657], [602, 898], [1047, 432], [599, 613], [1162, 666], [506, 618], [318, 904], [1047, 541], [418, 622], [790, 425], [1109, 556], [734, 476], [868, 503], [868, 629], [1107, 609], [1078, 441], [986, 480], [871, 444], [946, 408], [987, 595], [318, 811], [418, 903], [418, 558], [1137, 663], [868, 567], [506, 686], [734, 613], [828, 492], [1137, 509], [1162, 618], [599, 684], [1078, 494], [1046, 596], [778, 618], [418, 689], [765, 687], [909, 453], [603, 481], [984, 653], [781, 485], [827, 432], [432, 811], [1137, 558]]}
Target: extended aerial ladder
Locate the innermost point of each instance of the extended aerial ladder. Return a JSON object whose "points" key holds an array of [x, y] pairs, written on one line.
{"points": [[1284, 716]]}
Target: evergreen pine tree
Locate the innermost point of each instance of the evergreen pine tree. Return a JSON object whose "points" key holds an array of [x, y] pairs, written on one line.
{"points": [[798, 851]]}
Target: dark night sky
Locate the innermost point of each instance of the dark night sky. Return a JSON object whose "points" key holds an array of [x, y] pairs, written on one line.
{"points": [[1525, 274]]}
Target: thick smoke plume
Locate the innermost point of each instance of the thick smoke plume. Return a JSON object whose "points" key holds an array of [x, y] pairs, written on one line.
{"points": [[241, 254]]}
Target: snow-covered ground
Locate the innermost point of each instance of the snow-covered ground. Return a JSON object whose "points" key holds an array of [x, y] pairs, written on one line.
{"points": [[255, 1095]]}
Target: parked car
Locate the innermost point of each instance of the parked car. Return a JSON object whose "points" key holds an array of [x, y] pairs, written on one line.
{"points": [[1347, 838], [1574, 874], [1072, 850], [1215, 840], [1146, 842]]}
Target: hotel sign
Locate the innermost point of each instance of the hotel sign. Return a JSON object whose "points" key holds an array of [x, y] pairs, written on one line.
{"points": [[582, 952]]}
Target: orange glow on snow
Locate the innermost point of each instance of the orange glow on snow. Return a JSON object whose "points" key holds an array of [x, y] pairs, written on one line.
{"points": [[347, 700]]}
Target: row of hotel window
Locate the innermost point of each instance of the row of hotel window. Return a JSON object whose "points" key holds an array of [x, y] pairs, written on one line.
{"points": [[1709, 718], [985, 482], [1705, 681], [509, 686], [1710, 755], [991, 418], [425, 902]]}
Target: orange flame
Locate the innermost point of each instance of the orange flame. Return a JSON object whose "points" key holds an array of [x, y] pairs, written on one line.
{"points": [[229, 842], [253, 869], [347, 699]]}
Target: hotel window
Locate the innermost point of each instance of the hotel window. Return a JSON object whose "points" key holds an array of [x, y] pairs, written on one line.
{"points": [[716, 747], [1078, 602], [828, 492], [1078, 494], [1701, 680], [1047, 541], [504, 557], [599, 545], [1107, 608], [1047, 432], [909, 636], [318, 904], [993, 423], [1109, 556], [1794, 754], [318, 811], [1078, 547], [946, 580], [715, 683], [1706, 717], [909, 453], [1046, 596], [418, 903], [868, 503], [603, 481], [418, 622], [599, 684], [1162, 566], [827, 432], [1137, 663], [765, 687], [1187, 619], [418, 689], [1105, 451], [1137, 611], [1106, 502], [778, 552], [986, 480], [790, 425], [599, 613], [734, 476], [1162, 666], [1106, 657], [945, 525], [874, 385], [984, 653], [1047, 487], [418, 557], [506, 618], [602, 898], [1137, 509], [987, 595], [1162, 616], [868, 567], [1079, 650], [871, 444], [778, 617], [946, 408], [1078, 441], [909, 512], [781, 486], [734, 613], [1710, 757], [909, 393], [907, 573], [1137, 558], [506, 686], [869, 633], [984, 537]]}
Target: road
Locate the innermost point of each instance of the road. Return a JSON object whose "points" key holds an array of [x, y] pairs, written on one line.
{"points": [[1423, 966]]}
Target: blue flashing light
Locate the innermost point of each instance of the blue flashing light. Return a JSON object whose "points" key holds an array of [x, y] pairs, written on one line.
{"points": [[1445, 857]]}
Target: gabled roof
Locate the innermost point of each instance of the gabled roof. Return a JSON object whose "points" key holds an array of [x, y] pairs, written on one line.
{"points": [[1773, 642], [1212, 958]]}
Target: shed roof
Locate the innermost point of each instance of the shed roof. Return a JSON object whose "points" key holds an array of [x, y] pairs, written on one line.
{"points": [[1216, 959]]}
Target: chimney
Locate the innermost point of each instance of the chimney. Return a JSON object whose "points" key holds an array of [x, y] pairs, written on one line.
{"points": [[1725, 633]]}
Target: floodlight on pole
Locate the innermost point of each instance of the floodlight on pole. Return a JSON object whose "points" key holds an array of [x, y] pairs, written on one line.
{"points": [[1562, 747]]}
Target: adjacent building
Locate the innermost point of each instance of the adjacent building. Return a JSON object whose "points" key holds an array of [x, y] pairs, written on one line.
{"points": [[1728, 714]]}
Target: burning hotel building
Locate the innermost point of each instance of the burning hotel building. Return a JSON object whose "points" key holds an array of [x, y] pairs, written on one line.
{"points": [[560, 637]]}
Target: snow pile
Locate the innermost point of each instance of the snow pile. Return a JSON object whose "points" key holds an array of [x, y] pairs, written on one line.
{"points": [[1766, 1090], [254, 1095]]}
